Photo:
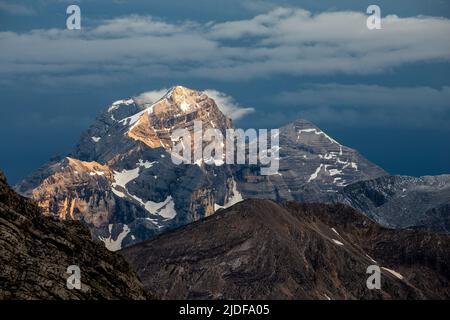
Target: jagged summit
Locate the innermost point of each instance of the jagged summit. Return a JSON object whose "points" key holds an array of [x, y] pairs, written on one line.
{"points": [[313, 167], [301, 129], [179, 108], [177, 99], [181, 91], [150, 121]]}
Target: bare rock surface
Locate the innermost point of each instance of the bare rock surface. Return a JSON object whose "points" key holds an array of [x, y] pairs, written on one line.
{"points": [[258, 249], [35, 252]]}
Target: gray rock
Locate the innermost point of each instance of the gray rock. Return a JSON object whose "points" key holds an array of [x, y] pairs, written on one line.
{"points": [[313, 167], [402, 201]]}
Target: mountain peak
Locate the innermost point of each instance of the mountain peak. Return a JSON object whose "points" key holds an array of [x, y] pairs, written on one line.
{"points": [[302, 130], [122, 182], [178, 108], [182, 90], [178, 100]]}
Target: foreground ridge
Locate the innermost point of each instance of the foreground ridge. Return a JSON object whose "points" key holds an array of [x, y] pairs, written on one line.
{"points": [[36, 251], [258, 249]]}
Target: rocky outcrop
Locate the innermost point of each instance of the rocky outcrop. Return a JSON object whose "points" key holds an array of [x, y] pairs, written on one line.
{"points": [[35, 252], [403, 202], [258, 249]]}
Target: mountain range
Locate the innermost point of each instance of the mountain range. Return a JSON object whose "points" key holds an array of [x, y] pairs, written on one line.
{"points": [[402, 201], [255, 249], [120, 180]]}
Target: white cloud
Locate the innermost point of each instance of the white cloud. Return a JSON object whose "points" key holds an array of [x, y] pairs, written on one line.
{"points": [[227, 104], [135, 25], [283, 41], [150, 97]]}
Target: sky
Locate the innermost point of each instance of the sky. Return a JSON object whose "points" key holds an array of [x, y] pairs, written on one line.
{"points": [[384, 92]]}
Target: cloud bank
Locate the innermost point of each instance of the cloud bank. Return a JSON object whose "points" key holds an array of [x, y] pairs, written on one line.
{"points": [[150, 97], [282, 41], [228, 105]]}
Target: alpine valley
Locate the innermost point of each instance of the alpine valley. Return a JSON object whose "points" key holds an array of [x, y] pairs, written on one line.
{"points": [[121, 182]]}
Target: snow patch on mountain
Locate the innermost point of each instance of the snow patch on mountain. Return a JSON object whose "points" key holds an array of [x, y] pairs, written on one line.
{"points": [[317, 132], [334, 230], [118, 193], [372, 259], [185, 107], [96, 173], [333, 172], [115, 105], [132, 120], [146, 164], [394, 273], [115, 245], [165, 209], [235, 198], [123, 177], [316, 173]]}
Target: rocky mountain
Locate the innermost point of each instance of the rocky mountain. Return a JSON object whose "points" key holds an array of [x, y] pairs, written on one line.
{"points": [[313, 167], [121, 182], [403, 202], [35, 252], [258, 249]]}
